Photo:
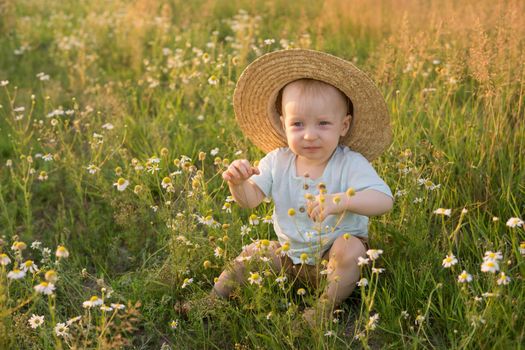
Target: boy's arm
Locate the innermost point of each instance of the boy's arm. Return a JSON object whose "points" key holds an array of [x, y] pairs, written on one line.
{"points": [[245, 192], [368, 202]]}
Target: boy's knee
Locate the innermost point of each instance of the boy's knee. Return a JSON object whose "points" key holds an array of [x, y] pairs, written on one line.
{"points": [[345, 252]]}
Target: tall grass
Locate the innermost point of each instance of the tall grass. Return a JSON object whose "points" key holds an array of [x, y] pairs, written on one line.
{"points": [[96, 92]]}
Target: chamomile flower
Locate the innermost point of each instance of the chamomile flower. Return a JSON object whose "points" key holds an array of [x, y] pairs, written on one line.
{"points": [[442, 211], [301, 291], [513, 222], [255, 278], [329, 334], [303, 257], [187, 282], [73, 320], [227, 207], [253, 219], [362, 261], [18, 245], [118, 306], [449, 261], [212, 80], [378, 270], [30, 266], [92, 169], [61, 252], [93, 301], [166, 182], [174, 324], [503, 279], [372, 322], [51, 276], [16, 274], [218, 252], [363, 282], [522, 248], [374, 254], [495, 256], [121, 184], [108, 126], [4, 259], [35, 321], [245, 230], [490, 266], [105, 308], [45, 288], [464, 277], [62, 330]]}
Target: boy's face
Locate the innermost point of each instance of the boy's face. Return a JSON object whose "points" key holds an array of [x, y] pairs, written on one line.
{"points": [[313, 123]]}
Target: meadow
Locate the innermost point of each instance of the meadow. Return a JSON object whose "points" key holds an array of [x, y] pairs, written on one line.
{"points": [[116, 122]]}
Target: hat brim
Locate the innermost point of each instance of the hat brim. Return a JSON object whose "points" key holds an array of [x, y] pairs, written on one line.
{"points": [[259, 84]]}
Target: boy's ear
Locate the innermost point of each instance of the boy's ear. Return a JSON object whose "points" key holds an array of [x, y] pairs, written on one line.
{"points": [[282, 122], [347, 121]]}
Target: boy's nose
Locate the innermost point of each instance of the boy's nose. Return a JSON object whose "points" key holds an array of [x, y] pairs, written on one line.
{"points": [[310, 134]]}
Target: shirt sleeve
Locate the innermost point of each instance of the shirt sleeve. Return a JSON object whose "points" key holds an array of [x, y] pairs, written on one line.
{"points": [[362, 176], [265, 179]]}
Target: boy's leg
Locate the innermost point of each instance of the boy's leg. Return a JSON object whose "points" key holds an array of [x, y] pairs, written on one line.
{"points": [[235, 274], [343, 276]]}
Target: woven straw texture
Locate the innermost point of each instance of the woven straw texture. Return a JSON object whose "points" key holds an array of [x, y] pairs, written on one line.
{"points": [[257, 88]]}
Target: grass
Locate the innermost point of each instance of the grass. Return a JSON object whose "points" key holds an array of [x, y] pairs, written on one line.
{"points": [[453, 80]]}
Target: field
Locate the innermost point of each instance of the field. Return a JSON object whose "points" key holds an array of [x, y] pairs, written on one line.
{"points": [[116, 123]]}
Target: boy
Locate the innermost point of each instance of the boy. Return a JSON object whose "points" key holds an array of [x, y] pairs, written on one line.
{"points": [[305, 108]]}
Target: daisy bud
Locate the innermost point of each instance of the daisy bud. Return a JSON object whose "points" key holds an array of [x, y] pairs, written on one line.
{"points": [[350, 192], [346, 236], [225, 238], [256, 163], [291, 212], [207, 264], [51, 276], [164, 151], [202, 155]]}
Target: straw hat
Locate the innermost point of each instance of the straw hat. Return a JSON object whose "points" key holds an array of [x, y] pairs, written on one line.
{"points": [[259, 84]]}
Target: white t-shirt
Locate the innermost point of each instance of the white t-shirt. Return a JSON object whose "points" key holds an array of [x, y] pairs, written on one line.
{"points": [[278, 180]]}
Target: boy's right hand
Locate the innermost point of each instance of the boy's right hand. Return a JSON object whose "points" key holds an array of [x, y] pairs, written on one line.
{"points": [[239, 171]]}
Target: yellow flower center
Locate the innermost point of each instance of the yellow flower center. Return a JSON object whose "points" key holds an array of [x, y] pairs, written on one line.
{"points": [[121, 181], [93, 298]]}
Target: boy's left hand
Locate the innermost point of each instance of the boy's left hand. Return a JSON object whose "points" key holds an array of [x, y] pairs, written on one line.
{"points": [[325, 205]]}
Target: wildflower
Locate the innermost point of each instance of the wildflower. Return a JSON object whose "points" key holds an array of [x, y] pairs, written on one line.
{"points": [[346, 236], [36, 321], [281, 279], [464, 277], [213, 80], [62, 252], [464, 211], [166, 182], [121, 184], [267, 219], [503, 279], [218, 252], [4, 82], [329, 334], [108, 126], [419, 319], [285, 248], [309, 196], [490, 266], [269, 315], [377, 270], [4, 259], [187, 282], [495, 256], [522, 248], [363, 282], [61, 330], [118, 306], [372, 322], [105, 308], [174, 324], [73, 320], [254, 219], [301, 291], [206, 264], [362, 261], [449, 261], [214, 151], [30, 266], [291, 212], [441, 211], [255, 278], [405, 314], [18, 246], [92, 169], [42, 176], [374, 253], [513, 222], [36, 245], [51, 276], [93, 301], [350, 192], [137, 189], [495, 218], [336, 199], [303, 257], [45, 288]]}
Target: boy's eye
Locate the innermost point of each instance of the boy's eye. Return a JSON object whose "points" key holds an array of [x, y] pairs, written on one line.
{"points": [[297, 124], [324, 123]]}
